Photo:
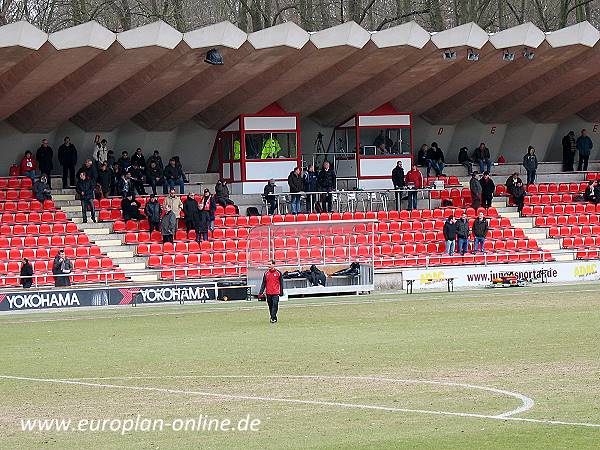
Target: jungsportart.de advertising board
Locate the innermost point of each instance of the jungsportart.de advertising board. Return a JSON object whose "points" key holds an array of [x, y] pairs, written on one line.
{"points": [[480, 276]]}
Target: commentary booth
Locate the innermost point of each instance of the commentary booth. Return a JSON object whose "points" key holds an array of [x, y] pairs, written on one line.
{"points": [[368, 146], [254, 148]]}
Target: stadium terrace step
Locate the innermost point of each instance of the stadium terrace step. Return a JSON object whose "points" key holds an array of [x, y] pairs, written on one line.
{"points": [[204, 179], [563, 256]]}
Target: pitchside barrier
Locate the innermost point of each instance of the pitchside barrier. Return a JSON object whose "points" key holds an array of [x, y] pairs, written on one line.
{"points": [[331, 246], [482, 276]]}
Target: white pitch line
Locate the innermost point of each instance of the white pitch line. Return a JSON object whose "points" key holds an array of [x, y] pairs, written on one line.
{"points": [[502, 417]]}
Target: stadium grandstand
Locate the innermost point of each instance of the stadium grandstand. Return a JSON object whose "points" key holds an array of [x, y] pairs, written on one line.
{"points": [[286, 98]]}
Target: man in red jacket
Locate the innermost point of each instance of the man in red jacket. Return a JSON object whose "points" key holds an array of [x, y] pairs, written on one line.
{"points": [[272, 283], [415, 178]]}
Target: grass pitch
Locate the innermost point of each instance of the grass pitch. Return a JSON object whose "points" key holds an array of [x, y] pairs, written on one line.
{"points": [[316, 378]]}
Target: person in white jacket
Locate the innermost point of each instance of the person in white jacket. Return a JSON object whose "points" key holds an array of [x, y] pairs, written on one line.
{"points": [[100, 152]]}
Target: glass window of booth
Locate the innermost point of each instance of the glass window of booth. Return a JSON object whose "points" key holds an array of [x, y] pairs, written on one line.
{"points": [[271, 145], [231, 147], [382, 142], [345, 141]]}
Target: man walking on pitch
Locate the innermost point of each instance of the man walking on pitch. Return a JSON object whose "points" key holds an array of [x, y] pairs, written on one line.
{"points": [[272, 283]]}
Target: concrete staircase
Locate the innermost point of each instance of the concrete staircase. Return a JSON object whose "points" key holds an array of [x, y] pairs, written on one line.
{"points": [[530, 230], [101, 234]]}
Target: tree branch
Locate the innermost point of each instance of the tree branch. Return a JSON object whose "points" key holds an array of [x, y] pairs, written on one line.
{"points": [[403, 16]]}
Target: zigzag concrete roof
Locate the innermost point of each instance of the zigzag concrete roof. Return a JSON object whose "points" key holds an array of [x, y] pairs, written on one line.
{"points": [[156, 76]]}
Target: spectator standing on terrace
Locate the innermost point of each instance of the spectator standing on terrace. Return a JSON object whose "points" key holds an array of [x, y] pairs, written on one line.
{"points": [[61, 269], [414, 181], [44, 157], [138, 158], [569, 146], [450, 232], [67, 157], [519, 196], [115, 179], [124, 185], [207, 207], [26, 274], [398, 182], [462, 231], [104, 179], [28, 166], [174, 202], [191, 213], [480, 231], [85, 190], [481, 155], [296, 185], [90, 171], [168, 224], [110, 158], [138, 176], [584, 146], [153, 212], [464, 160], [589, 195], [41, 189], [326, 183], [130, 208], [101, 152], [475, 188], [124, 162], [487, 189], [155, 178], [310, 185], [270, 197], [530, 163], [272, 286], [222, 194], [511, 182], [174, 176]]}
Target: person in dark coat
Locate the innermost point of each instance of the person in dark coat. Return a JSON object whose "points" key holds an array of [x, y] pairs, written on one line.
{"points": [[530, 163], [487, 189], [130, 208], [464, 160], [270, 197], [191, 213], [153, 212], [519, 196], [155, 177], [41, 189], [589, 195], [124, 161], [90, 171], [44, 157], [174, 175], [157, 159], [85, 190], [67, 157], [480, 231], [310, 185], [569, 146], [138, 177], [450, 231], [326, 183], [422, 156], [296, 185], [115, 178], [462, 232], [168, 224], [584, 146], [61, 269], [222, 193], [475, 188], [511, 182], [398, 182], [104, 179], [138, 158], [481, 156], [26, 274]]}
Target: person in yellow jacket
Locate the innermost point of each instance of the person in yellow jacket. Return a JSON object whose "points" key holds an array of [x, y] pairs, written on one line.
{"points": [[271, 149], [237, 150]]}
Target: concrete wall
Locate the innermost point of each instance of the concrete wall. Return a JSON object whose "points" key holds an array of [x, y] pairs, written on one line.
{"points": [[194, 143]]}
